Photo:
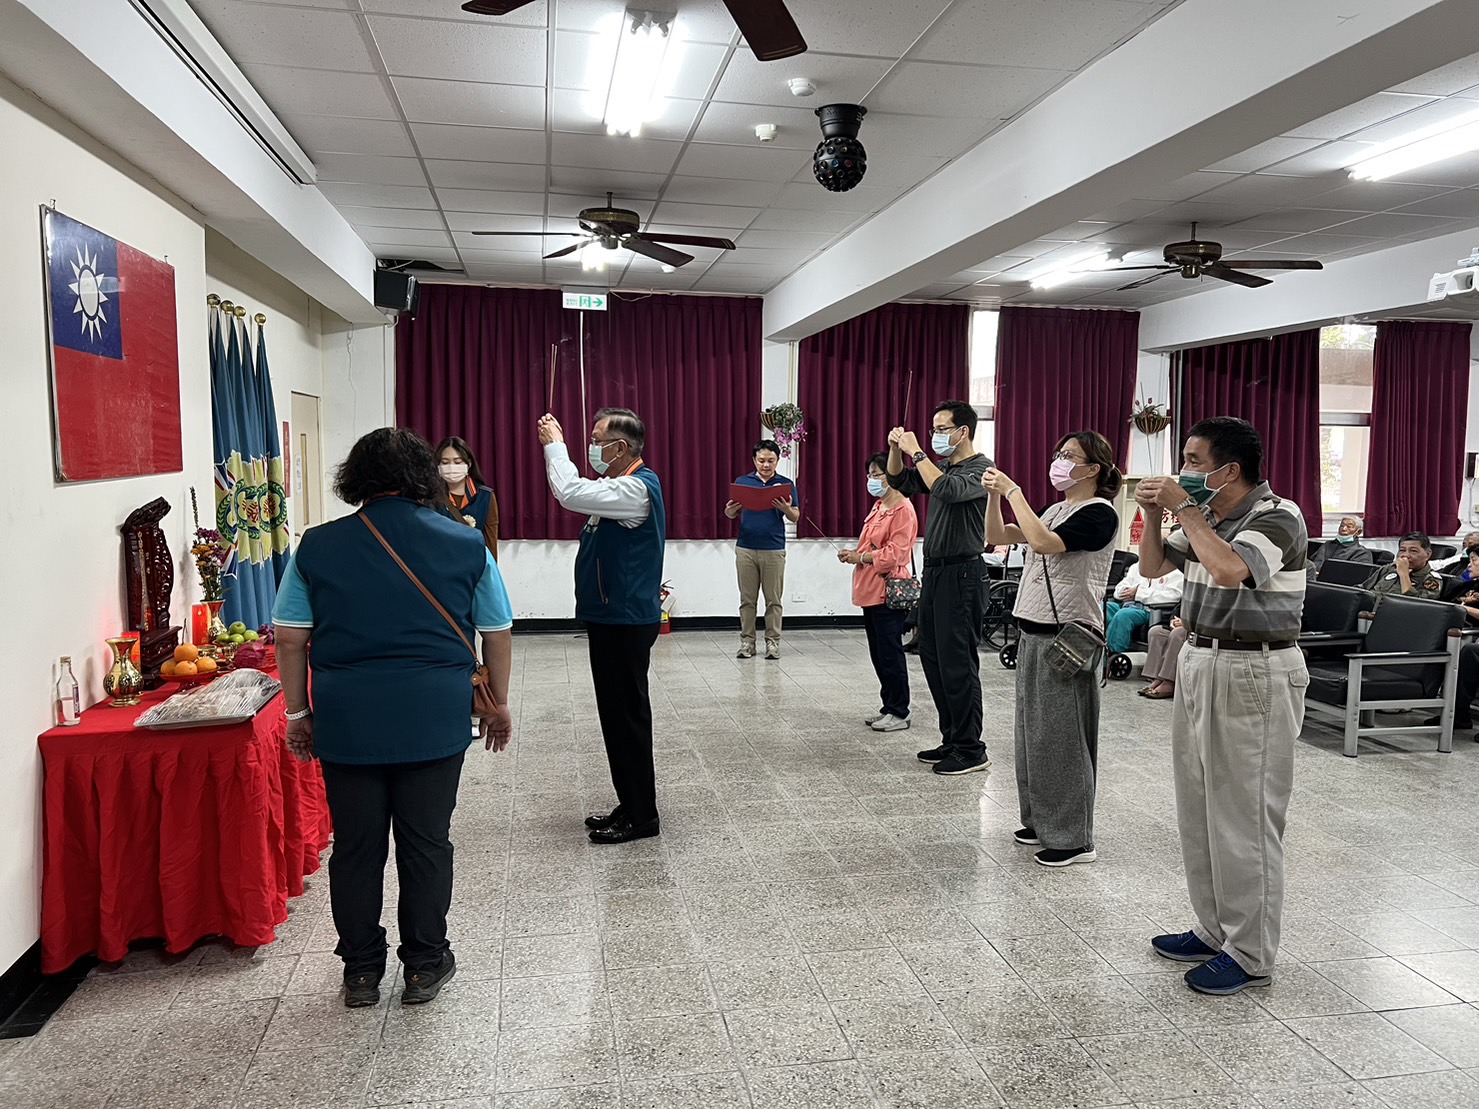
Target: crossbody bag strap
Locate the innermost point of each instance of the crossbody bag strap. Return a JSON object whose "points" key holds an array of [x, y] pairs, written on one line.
{"points": [[417, 582]]}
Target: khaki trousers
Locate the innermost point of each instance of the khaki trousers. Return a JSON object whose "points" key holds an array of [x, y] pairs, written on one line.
{"points": [[1233, 725], [760, 570]]}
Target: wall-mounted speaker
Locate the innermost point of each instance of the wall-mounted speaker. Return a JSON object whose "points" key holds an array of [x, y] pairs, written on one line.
{"points": [[398, 291], [1469, 466]]}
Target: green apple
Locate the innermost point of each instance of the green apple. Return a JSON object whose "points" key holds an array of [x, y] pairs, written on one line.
{"points": [[223, 640], [237, 628], [250, 636], [238, 639]]}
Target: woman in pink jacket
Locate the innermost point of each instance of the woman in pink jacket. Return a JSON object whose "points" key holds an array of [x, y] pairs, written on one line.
{"points": [[883, 551]]}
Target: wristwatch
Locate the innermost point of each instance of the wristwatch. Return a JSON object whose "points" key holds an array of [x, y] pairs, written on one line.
{"points": [[1183, 506], [919, 456], [300, 714]]}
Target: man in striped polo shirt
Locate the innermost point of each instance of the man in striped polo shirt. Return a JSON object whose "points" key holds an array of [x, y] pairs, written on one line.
{"points": [[1239, 697]]}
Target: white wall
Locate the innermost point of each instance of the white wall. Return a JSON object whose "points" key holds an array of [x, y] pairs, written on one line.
{"points": [[358, 366], [60, 553]]}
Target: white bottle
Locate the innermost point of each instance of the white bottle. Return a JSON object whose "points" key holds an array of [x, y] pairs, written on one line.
{"points": [[68, 701]]}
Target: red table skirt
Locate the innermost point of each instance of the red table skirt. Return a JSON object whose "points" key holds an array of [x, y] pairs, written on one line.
{"points": [[173, 834]]}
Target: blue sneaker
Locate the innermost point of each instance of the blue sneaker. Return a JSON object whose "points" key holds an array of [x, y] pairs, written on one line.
{"points": [[1222, 975], [1183, 948]]}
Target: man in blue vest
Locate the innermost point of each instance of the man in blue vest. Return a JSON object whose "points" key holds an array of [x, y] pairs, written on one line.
{"points": [[618, 580]]}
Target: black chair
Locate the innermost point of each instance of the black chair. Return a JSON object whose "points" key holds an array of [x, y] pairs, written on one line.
{"points": [[1119, 566], [1338, 572], [1407, 659], [1383, 556], [1332, 613], [1313, 547], [1443, 550], [1456, 588]]}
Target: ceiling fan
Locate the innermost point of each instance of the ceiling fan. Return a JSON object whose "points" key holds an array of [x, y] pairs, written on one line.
{"points": [[618, 227], [1200, 258], [766, 24]]}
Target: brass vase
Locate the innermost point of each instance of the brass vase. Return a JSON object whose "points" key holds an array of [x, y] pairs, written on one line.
{"points": [[123, 682], [217, 627]]}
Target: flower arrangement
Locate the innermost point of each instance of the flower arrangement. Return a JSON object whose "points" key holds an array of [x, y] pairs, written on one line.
{"points": [[211, 555], [1150, 416], [789, 424]]}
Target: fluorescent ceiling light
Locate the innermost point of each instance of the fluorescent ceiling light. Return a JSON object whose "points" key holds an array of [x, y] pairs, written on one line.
{"points": [[1098, 260], [636, 90], [593, 256], [1431, 144]]}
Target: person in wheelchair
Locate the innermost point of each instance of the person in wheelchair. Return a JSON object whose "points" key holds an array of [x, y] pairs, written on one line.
{"points": [[1134, 598]]}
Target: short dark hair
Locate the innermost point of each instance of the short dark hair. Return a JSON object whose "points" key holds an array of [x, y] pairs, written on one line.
{"points": [[623, 423], [879, 459], [1232, 440], [1099, 453], [389, 460], [961, 413], [766, 445], [460, 446], [1417, 537]]}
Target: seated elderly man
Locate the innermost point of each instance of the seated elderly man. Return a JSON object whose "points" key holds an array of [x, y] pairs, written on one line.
{"points": [[1459, 561], [1345, 547], [1411, 575]]}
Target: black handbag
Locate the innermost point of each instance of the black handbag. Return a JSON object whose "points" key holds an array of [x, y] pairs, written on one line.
{"points": [[1077, 646]]}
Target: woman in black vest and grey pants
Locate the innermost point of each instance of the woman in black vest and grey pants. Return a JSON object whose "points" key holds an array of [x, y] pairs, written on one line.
{"points": [[1063, 582]]}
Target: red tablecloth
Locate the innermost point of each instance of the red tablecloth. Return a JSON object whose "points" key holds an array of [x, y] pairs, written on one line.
{"points": [[173, 834]]}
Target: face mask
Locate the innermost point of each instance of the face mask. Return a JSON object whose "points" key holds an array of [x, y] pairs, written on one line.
{"points": [[942, 444], [1060, 473], [453, 472], [1194, 482], [1346, 538], [598, 464], [875, 486]]}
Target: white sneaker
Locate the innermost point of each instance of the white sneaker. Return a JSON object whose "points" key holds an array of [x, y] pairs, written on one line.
{"points": [[874, 719], [890, 723]]}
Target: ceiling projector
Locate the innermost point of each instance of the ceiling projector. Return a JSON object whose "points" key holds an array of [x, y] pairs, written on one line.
{"points": [[1458, 283]]}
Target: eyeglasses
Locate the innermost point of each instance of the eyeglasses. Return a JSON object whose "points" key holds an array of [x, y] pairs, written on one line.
{"points": [[1064, 456], [944, 430]]}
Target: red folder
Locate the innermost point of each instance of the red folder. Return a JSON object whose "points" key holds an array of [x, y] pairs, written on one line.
{"points": [[758, 499]]}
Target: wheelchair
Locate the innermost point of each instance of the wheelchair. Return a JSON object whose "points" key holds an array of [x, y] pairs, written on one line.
{"points": [[999, 629]]}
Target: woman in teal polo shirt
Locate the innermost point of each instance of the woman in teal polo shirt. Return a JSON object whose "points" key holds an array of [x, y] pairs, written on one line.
{"points": [[392, 697]]}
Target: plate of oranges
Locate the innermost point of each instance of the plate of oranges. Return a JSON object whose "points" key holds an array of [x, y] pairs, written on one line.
{"points": [[189, 666]]}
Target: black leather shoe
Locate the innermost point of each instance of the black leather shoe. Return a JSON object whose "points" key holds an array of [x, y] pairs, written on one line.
{"points": [[624, 831], [362, 990], [423, 985], [597, 822]]}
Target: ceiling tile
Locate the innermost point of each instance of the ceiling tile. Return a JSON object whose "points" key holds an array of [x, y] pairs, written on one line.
{"points": [[783, 219], [369, 169], [364, 218], [343, 135], [287, 36], [510, 247], [1264, 155], [700, 20], [1375, 196], [1460, 75], [485, 221], [378, 196], [1392, 225], [291, 92], [597, 182], [883, 28], [427, 101], [1324, 160], [1129, 210], [1362, 114], [565, 207], [582, 61], [407, 237], [491, 52], [1296, 219], [839, 80], [671, 214], [808, 196], [1047, 34], [495, 176], [931, 89], [642, 155], [1262, 188], [534, 14], [775, 260], [698, 65], [577, 111], [481, 200], [1459, 172], [1440, 113], [735, 124], [1459, 203], [743, 163], [1304, 246], [1184, 188], [481, 144], [506, 273], [1202, 211], [785, 240], [713, 190], [886, 135]]}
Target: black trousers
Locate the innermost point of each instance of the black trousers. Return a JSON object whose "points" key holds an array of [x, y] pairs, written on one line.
{"points": [[952, 604], [1468, 682], [624, 703], [885, 628], [416, 801]]}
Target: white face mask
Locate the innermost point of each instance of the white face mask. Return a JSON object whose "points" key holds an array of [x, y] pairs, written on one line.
{"points": [[453, 472]]}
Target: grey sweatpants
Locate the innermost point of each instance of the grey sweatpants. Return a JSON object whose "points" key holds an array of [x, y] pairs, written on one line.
{"points": [[1233, 725], [1057, 747]]}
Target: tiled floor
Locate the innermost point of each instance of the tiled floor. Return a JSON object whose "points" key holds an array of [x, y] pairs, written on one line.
{"points": [[825, 924]]}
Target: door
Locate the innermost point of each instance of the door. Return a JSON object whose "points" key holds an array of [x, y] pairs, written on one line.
{"points": [[306, 479]]}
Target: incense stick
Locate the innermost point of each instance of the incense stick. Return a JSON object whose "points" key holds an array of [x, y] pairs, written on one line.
{"points": [[554, 363], [908, 396], [822, 534]]}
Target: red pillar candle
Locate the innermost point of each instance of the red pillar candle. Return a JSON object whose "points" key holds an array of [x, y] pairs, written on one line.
{"points": [[200, 622]]}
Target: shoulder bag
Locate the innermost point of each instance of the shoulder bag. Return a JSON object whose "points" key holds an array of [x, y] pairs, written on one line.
{"points": [[902, 594], [483, 701], [1077, 645]]}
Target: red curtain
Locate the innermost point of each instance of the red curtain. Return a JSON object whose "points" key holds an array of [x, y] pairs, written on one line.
{"points": [[1419, 413], [1061, 370], [1274, 384], [475, 363], [854, 380]]}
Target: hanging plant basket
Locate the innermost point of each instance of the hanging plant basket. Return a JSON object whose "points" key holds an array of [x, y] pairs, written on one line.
{"points": [[1151, 422], [768, 420]]}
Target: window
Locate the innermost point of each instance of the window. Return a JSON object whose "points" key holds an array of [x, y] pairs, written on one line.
{"points": [[983, 363], [1346, 358]]}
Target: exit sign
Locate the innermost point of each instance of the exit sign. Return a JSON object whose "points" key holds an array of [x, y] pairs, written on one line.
{"points": [[585, 300]]}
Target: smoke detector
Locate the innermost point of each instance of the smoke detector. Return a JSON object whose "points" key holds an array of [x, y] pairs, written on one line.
{"points": [[765, 132], [801, 86]]}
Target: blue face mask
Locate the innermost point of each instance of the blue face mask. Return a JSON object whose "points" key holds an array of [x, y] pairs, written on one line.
{"points": [[942, 444], [875, 486], [1194, 482], [597, 462]]}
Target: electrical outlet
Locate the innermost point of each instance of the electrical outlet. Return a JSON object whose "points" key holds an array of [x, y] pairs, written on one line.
{"points": [[798, 598]]}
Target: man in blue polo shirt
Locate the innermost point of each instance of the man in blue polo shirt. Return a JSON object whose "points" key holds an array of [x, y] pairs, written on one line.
{"points": [[760, 553]]}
